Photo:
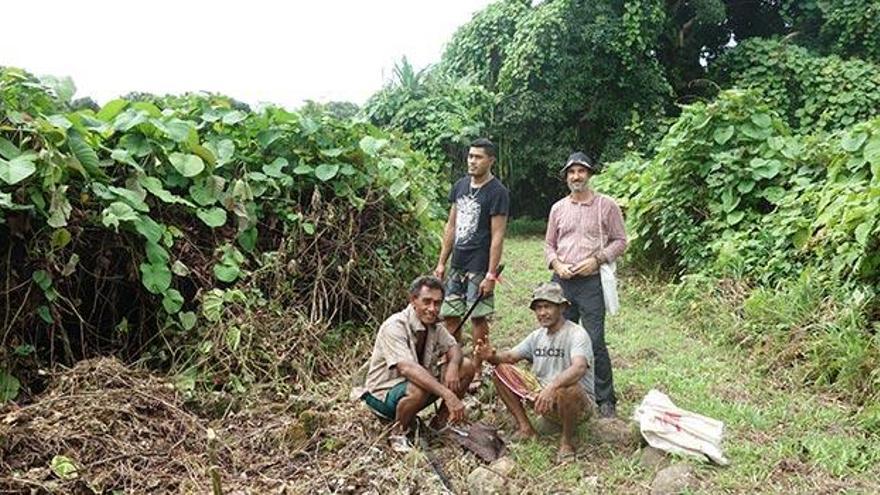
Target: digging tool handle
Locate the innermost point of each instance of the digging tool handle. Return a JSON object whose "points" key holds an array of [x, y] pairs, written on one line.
{"points": [[474, 305]]}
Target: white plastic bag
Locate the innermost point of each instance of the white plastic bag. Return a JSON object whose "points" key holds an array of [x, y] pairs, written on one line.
{"points": [[608, 275], [675, 430]]}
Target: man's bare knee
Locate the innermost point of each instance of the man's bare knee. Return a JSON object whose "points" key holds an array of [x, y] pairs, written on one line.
{"points": [[467, 368], [416, 393], [572, 395]]}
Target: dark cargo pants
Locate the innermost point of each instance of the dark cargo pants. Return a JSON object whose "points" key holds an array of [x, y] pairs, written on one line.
{"points": [[588, 308]]}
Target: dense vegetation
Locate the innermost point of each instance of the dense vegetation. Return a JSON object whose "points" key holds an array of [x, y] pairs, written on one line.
{"points": [[742, 138], [147, 227]]}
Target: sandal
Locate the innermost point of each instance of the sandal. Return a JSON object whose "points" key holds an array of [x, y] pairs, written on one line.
{"points": [[399, 443], [566, 457]]}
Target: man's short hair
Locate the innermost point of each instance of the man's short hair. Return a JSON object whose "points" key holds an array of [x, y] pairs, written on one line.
{"points": [[428, 281], [487, 145]]}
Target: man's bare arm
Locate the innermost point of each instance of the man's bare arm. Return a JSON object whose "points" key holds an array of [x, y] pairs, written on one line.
{"points": [[446, 243], [572, 374]]}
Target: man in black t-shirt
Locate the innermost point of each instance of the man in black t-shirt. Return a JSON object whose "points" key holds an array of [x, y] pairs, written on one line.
{"points": [[474, 237]]}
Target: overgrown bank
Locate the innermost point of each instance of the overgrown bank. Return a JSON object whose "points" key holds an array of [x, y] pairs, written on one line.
{"points": [[194, 233]]}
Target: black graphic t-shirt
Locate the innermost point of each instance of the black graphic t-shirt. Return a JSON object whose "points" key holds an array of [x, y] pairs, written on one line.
{"points": [[475, 207]]}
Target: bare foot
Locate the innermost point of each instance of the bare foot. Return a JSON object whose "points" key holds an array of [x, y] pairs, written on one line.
{"points": [[566, 452], [474, 386]]}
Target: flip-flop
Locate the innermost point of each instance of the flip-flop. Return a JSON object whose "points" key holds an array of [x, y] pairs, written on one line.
{"points": [[562, 458]]}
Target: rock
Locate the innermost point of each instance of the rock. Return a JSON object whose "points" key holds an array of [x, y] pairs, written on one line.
{"points": [[673, 480], [651, 458], [503, 466], [588, 485], [614, 431], [482, 481], [545, 426]]}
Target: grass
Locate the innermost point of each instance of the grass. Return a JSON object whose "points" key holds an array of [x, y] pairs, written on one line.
{"points": [[779, 436]]}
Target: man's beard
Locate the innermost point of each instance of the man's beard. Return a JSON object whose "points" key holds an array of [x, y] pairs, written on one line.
{"points": [[577, 187]]}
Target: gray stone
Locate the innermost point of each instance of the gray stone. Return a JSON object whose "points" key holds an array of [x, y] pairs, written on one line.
{"points": [[545, 426], [503, 466], [651, 458], [614, 431], [673, 480], [588, 485], [482, 481]]}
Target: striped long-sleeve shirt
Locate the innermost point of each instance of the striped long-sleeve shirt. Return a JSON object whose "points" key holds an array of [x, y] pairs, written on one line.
{"points": [[578, 230]]}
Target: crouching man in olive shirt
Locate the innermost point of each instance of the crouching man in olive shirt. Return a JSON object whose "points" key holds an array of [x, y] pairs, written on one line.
{"points": [[414, 362], [561, 355]]}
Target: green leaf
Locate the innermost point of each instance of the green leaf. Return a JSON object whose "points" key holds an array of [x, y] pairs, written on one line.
{"points": [[225, 150], [745, 186], [226, 273], [723, 134], [212, 305], [800, 238], [42, 279], [735, 217], [188, 319], [59, 208], [149, 228], [156, 278], [178, 130], [206, 191], [862, 232], [7, 149], [774, 194], [172, 302], [872, 150], [179, 269], [156, 254], [154, 186], [234, 117], [398, 188], [233, 338], [60, 238], [83, 152], [761, 119], [213, 217], [9, 387], [45, 314], [111, 109], [117, 212], [204, 153], [303, 169], [371, 146], [326, 171], [853, 141], [60, 121], [64, 467], [18, 169], [188, 165], [308, 228], [275, 168], [247, 239], [70, 266], [333, 152]]}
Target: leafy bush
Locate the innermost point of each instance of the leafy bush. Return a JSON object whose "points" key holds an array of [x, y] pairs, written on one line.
{"points": [[811, 91], [135, 224]]}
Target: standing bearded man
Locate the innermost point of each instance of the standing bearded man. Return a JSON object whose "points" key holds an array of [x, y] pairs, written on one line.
{"points": [[584, 231]]}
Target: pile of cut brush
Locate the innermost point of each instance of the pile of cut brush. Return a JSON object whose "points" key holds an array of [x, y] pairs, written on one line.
{"points": [[103, 427]]}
